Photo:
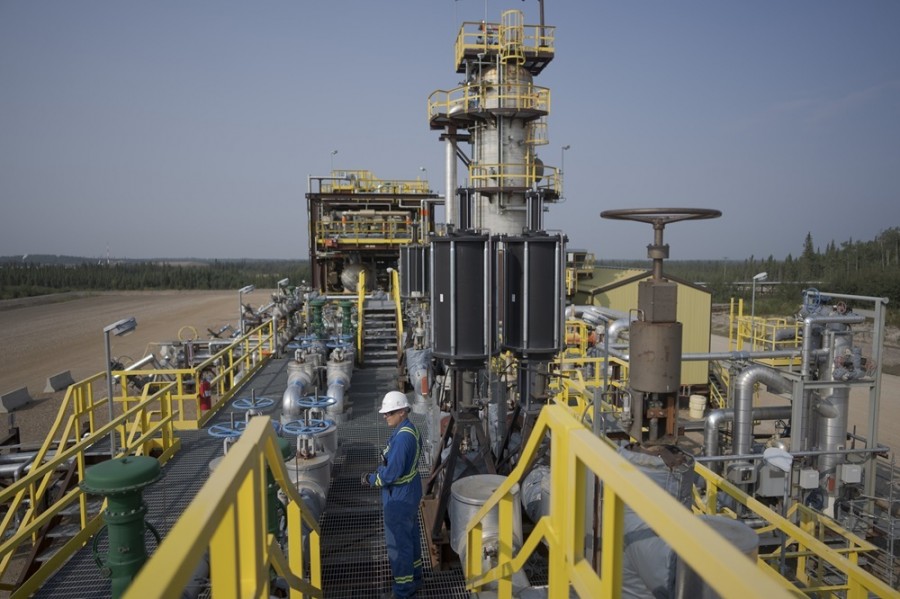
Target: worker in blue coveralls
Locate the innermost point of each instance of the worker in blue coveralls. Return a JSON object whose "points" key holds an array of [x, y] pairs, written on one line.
{"points": [[401, 491]]}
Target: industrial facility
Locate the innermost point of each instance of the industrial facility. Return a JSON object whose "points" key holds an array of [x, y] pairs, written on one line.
{"points": [[581, 437]]}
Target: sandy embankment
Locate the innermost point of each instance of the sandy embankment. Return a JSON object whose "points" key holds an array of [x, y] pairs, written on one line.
{"points": [[42, 339]]}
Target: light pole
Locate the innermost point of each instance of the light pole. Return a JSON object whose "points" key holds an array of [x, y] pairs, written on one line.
{"points": [[241, 292], [333, 152], [562, 166], [119, 328], [762, 276]]}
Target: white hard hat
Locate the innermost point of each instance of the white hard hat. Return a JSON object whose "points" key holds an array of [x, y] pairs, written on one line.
{"points": [[393, 400]]}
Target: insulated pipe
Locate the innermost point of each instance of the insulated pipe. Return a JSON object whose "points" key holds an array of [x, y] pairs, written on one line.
{"points": [[337, 377], [808, 323], [743, 401], [576, 310], [336, 392], [832, 429], [804, 413], [450, 183], [716, 418], [617, 328]]}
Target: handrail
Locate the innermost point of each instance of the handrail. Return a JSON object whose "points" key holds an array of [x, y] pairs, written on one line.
{"points": [[575, 453], [360, 315], [859, 582], [146, 426], [398, 307], [484, 37], [228, 517], [233, 364]]}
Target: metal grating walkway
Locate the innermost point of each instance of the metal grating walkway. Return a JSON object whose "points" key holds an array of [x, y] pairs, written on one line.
{"points": [[353, 553], [354, 558]]}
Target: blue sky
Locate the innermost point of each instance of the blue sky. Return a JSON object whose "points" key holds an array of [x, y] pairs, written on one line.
{"points": [[177, 129]]}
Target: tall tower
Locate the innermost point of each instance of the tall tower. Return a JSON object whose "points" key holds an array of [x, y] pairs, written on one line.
{"points": [[502, 114]]}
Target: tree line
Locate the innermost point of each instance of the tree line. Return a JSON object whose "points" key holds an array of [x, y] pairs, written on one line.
{"points": [[864, 268], [867, 268], [20, 278]]}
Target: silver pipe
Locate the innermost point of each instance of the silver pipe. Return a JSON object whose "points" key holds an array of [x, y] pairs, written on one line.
{"points": [[450, 182], [832, 430], [617, 327], [808, 323], [747, 457], [743, 401], [717, 418]]}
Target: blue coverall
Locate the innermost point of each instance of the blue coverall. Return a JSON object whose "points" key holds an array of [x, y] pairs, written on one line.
{"points": [[401, 491]]}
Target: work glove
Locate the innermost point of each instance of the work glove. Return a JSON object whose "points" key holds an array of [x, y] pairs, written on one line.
{"points": [[364, 481]]}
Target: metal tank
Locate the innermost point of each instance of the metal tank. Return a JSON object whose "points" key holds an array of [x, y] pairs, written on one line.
{"points": [[467, 496], [462, 298], [350, 276], [413, 267], [655, 356], [533, 272]]}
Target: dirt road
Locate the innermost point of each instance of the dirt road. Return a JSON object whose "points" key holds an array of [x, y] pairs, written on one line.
{"points": [[43, 339]]}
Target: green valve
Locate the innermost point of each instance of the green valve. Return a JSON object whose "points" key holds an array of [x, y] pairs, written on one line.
{"points": [[122, 481], [317, 324], [346, 317]]}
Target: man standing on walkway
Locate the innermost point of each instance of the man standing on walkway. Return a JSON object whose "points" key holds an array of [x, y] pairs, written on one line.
{"points": [[401, 491]]}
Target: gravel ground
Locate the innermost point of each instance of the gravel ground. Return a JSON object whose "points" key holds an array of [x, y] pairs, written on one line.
{"points": [[42, 338]]}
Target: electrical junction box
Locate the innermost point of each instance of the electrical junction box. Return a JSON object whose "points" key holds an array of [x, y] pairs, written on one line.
{"points": [[771, 481], [809, 478], [851, 474], [741, 473]]}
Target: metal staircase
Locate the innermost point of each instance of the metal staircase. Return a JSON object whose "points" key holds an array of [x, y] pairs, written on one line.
{"points": [[380, 333]]}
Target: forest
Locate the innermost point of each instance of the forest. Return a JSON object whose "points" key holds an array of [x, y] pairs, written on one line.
{"points": [[866, 268], [40, 275]]}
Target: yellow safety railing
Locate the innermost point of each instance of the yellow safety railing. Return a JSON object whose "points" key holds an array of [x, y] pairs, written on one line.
{"points": [[360, 315], [716, 397], [364, 230], [473, 99], [398, 308], [575, 454], [228, 517], [757, 333], [232, 364], [806, 543], [363, 181], [479, 37], [514, 176], [29, 505]]}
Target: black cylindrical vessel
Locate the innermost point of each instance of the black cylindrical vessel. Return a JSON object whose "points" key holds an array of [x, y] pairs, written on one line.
{"points": [[413, 267], [533, 304], [461, 298]]}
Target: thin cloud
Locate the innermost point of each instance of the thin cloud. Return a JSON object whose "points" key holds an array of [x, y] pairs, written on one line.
{"points": [[831, 109]]}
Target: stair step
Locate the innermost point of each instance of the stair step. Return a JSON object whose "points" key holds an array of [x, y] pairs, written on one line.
{"points": [[65, 531], [51, 550]]}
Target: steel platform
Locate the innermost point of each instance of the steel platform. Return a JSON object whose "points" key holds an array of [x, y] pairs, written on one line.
{"points": [[354, 558]]}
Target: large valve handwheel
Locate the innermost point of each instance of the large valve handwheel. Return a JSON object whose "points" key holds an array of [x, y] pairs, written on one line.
{"points": [[661, 216], [305, 428], [312, 401], [228, 431], [249, 403]]}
